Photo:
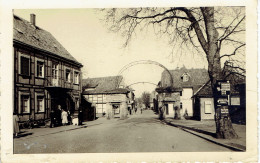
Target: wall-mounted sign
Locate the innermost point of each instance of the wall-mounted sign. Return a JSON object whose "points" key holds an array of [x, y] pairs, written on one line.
{"points": [[224, 111], [222, 101], [225, 86]]}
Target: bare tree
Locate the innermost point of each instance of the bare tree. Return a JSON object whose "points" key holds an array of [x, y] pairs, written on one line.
{"points": [[146, 99], [212, 31]]}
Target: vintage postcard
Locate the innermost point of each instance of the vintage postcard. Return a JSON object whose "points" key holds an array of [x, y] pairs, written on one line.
{"points": [[129, 82]]}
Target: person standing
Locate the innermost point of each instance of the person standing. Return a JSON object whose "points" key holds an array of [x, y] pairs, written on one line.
{"points": [[80, 117], [52, 115], [64, 117], [58, 115], [16, 125]]}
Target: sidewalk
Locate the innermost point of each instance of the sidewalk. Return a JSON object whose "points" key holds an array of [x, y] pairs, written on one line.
{"points": [[207, 130], [41, 131]]}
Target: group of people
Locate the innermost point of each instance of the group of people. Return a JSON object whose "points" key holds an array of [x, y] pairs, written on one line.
{"points": [[58, 118], [63, 117]]}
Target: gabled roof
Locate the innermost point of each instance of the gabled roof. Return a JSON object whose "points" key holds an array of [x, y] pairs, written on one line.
{"points": [[197, 77], [101, 84], [26, 33], [118, 91], [206, 89]]}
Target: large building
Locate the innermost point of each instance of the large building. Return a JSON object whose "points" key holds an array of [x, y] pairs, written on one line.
{"points": [[109, 100], [179, 93], [45, 73]]}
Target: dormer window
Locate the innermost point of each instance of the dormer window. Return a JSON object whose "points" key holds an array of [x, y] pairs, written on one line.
{"points": [[185, 77]]}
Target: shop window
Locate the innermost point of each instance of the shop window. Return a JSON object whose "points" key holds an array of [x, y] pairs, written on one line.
{"points": [[40, 69], [208, 107], [67, 75], [40, 103], [24, 103], [55, 70], [76, 77], [116, 108], [24, 65]]}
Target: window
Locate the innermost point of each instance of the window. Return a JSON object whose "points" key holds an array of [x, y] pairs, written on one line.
{"points": [[104, 98], [185, 77], [181, 105], [24, 103], [99, 108], [77, 103], [208, 108], [100, 99], [76, 77], [24, 65], [180, 93], [95, 98], [68, 78], [40, 103], [40, 69], [55, 70], [90, 98]]}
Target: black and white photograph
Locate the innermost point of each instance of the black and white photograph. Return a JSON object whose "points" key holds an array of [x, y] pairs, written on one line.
{"points": [[131, 80]]}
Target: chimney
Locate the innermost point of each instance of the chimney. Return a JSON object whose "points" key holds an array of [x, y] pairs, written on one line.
{"points": [[33, 19]]}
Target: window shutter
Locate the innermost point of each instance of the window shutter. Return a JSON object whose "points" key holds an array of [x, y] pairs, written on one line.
{"points": [[25, 68]]}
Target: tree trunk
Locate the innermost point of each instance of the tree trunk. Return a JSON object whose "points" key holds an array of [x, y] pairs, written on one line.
{"points": [[224, 127]]}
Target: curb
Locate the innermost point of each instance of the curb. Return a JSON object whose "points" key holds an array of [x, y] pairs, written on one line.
{"points": [[205, 138], [79, 127]]}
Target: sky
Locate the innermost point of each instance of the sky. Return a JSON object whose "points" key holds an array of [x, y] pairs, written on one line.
{"points": [[83, 33]]}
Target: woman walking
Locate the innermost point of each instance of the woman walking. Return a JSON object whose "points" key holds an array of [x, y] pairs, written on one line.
{"points": [[64, 117], [16, 125]]}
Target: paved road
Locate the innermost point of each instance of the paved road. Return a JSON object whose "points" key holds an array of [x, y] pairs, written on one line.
{"points": [[139, 133]]}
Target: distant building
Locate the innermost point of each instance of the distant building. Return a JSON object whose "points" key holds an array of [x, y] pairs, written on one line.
{"points": [[108, 99], [45, 73]]}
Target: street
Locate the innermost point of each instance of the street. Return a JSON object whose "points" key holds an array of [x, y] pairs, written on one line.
{"points": [[139, 133]]}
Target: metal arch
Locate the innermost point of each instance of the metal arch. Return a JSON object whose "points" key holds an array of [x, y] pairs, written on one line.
{"points": [[143, 62], [141, 83]]}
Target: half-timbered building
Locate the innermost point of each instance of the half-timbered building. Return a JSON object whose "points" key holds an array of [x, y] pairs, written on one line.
{"points": [[45, 73]]}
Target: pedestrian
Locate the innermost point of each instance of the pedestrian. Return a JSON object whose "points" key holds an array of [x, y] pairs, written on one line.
{"points": [[58, 115], [16, 125], [64, 117], [69, 117], [53, 118], [80, 117]]}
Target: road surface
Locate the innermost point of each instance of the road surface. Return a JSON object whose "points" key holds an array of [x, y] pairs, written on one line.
{"points": [[139, 133]]}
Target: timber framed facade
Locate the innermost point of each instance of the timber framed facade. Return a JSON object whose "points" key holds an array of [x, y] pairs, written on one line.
{"points": [[45, 74]]}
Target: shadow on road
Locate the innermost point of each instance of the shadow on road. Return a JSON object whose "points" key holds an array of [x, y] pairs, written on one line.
{"points": [[193, 129], [23, 134]]}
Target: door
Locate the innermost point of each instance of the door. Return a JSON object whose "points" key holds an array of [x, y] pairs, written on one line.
{"points": [[167, 109]]}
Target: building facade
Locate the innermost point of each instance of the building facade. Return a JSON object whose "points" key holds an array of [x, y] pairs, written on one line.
{"points": [[45, 73], [204, 100], [179, 93], [109, 100]]}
